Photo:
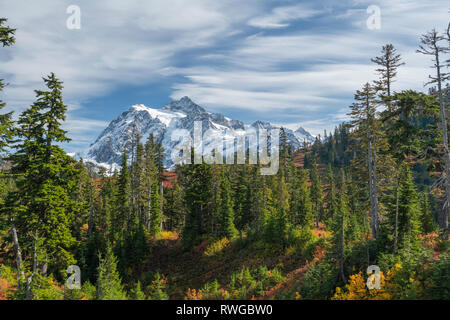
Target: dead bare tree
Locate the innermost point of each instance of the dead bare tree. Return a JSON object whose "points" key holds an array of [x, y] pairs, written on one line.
{"points": [[430, 45]]}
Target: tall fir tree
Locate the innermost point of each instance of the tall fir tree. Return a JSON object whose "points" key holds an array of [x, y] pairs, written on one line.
{"points": [[136, 293], [174, 208], [150, 180], [430, 45], [155, 210], [330, 198], [42, 206], [122, 200], [83, 197], [303, 207], [197, 180], [426, 216], [226, 214], [316, 193], [6, 39], [109, 284], [157, 289], [339, 224], [405, 235], [243, 199], [388, 63], [364, 120]]}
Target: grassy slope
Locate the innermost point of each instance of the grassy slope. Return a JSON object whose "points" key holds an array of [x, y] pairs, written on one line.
{"points": [[194, 268]]}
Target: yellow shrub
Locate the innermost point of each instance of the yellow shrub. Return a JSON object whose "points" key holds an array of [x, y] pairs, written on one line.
{"points": [[356, 288], [167, 235], [216, 247]]}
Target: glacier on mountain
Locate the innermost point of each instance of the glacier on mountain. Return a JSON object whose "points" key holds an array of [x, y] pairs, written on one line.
{"points": [[107, 149]]}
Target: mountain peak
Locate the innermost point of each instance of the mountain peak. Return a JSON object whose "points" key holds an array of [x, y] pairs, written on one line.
{"points": [[179, 114], [186, 99], [185, 105], [137, 107], [302, 134], [301, 130], [262, 124]]}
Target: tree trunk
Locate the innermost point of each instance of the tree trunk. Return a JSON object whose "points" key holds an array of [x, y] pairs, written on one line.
{"points": [[91, 215], [342, 248], [446, 206], [375, 189], [161, 193], [371, 190], [18, 253], [317, 217], [396, 220], [149, 206], [30, 278], [367, 243], [44, 269]]}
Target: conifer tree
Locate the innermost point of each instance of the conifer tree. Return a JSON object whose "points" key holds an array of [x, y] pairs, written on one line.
{"points": [[138, 180], [357, 218], [155, 211], [6, 133], [106, 205], [304, 214], [150, 180], [136, 293], [154, 156], [330, 198], [426, 217], [109, 284], [260, 199], [408, 215], [227, 228], [363, 113], [243, 199], [277, 224], [122, 204], [6, 39], [174, 207], [430, 45], [88, 256], [339, 224], [196, 180], [5, 124], [42, 204], [131, 252], [157, 289], [316, 193], [285, 151], [410, 131], [84, 201], [389, 61]]}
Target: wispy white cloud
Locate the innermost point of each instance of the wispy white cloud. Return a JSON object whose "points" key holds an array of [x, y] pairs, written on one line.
{"points": [[304, 90], [281, 16], [306, 75], [311, 74], [119, 43]]}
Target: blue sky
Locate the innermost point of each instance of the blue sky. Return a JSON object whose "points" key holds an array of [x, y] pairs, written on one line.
{"points": [[289, 62]]}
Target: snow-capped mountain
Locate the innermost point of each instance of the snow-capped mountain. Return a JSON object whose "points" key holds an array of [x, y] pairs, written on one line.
{"points": [[106, 150]]}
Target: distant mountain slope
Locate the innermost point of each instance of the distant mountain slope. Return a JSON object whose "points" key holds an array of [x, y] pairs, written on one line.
{"points": [[106, 150]]}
